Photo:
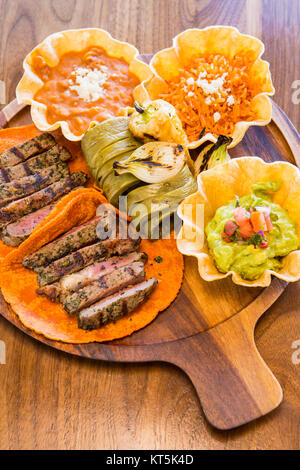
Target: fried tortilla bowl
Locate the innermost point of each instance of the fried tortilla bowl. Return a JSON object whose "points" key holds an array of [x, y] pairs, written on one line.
{"points": [[192, 44], [52, 49], [216, 187]]}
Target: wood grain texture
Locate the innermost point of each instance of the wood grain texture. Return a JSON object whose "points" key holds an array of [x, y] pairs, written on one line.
{"points": [[149, 406]]}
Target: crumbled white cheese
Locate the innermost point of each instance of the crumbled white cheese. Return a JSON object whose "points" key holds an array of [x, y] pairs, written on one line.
{"points": [[217, 116], [230, 100], [210, 87], [214, 86], [208, 100], [190, 93], [190, 81], [88, 82], [202, 74]]}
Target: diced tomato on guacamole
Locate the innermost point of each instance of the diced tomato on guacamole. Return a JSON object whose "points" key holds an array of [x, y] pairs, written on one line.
{"points": [[251, 234], [258, 222], [246, 224]]}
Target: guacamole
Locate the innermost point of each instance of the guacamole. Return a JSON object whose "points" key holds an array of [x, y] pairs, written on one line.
{"points": [[238, 244]]}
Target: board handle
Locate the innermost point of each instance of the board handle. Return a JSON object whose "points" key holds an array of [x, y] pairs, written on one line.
{"points": [[234, 384]]}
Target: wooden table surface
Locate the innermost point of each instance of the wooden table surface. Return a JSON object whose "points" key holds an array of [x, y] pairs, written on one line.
{"points": [[49, 400]]}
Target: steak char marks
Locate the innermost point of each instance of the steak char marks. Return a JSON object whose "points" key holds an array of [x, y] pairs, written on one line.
{"points": [[73, 282], [28, 149], [84, 257], [14, 234], [116, 306], [104, 286], [27, 185], [34, 165], [72, 240], [26, 205], [33, 177]]}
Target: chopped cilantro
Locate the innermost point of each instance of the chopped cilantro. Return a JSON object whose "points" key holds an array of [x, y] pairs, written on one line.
{"points": [[158, 259], [256, 239]]}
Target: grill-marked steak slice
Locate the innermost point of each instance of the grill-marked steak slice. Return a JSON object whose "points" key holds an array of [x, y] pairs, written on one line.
{"points": [[116, 306], [27, 149], [23, 187], [70, 241], [14, 234], [51, 157], [26, 205], [107, 285], [72, 282], [84, 257]]}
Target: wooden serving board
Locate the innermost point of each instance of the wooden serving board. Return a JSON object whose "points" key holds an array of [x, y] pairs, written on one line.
{"points": [[208, 331]]}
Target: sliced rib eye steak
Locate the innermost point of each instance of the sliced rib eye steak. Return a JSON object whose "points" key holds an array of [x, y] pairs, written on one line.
{"points": [[28, 149], [35, 164], [116, 306], [26, 205], [72, 282], [27, 185], [103, 287], [14, 234], [84, 257], [70, 241]]}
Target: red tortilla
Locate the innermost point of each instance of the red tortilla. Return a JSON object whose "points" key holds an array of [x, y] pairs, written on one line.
{"points": [[19, 285], [38, 313]]}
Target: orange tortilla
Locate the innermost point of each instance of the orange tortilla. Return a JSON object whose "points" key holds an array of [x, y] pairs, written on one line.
{"points": [[38, 313], [17, 135]]}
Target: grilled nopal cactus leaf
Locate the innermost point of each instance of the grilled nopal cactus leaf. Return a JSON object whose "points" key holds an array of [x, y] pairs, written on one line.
{"points": [[105, 141], [115, 186], [151, 204], [117, 148], [153, 162], [160, 191], [148, 216], [105, 133], [107, 168], [183, 183]]}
